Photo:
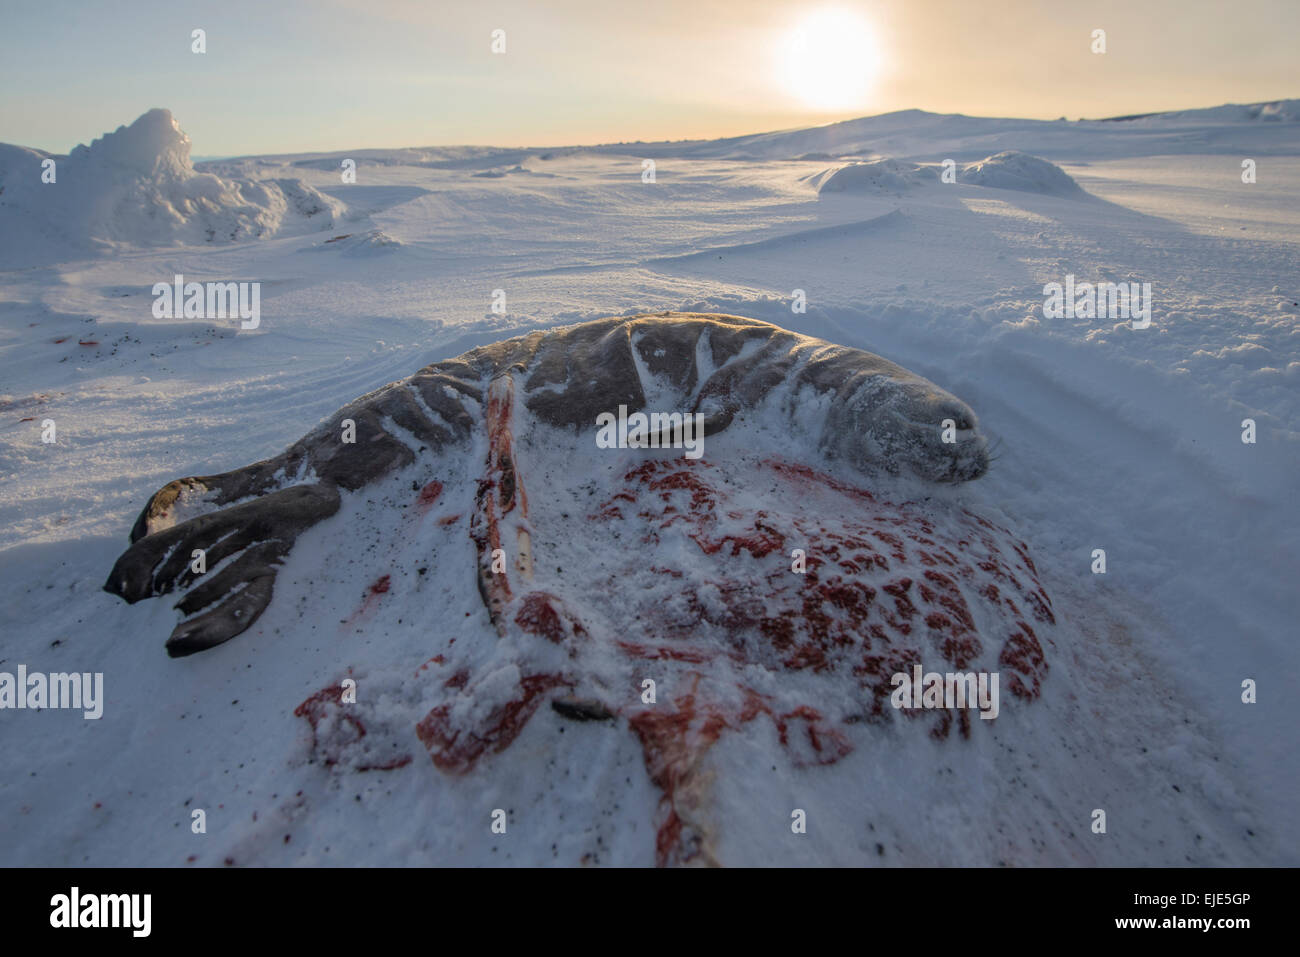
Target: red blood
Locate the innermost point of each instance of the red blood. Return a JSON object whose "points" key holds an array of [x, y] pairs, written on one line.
{"points": [[435, 660], [330, 700], [651, 653], [759, 545], [457, 750], [538, 616], [887, 586], [675, 737], [811, 477], [826, 743], [847, 612], [428, 495], [373, 591], [672, 740]]}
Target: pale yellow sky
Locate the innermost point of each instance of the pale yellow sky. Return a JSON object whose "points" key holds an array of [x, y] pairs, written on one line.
{"points": [[338, 74]]}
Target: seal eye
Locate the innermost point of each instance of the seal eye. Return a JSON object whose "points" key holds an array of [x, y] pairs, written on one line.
{"points": [[961, 416]]}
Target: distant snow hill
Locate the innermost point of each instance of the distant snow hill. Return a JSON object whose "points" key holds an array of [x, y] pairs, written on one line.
{"points": [[1277, 111], [929, 137], [138, 186]]}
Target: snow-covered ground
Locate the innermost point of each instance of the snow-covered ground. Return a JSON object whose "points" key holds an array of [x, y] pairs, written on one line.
{"points": [[1128, 440]]}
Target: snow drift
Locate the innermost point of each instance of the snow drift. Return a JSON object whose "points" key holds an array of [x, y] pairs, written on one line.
{"points": [[138, 186], [1010, 169], [882, 174], [366, 243]]}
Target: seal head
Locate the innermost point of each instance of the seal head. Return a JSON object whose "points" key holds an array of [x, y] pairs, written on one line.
{"points": [[907, 424]]}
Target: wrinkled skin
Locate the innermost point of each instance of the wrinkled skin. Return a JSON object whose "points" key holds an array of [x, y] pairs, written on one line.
{"points": [[881, 417]]}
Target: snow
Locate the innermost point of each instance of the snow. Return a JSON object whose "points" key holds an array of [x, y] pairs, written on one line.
{"points": [[1014, 170], [1009, 169], [881, 174], [1109, 437], [137, 186]]}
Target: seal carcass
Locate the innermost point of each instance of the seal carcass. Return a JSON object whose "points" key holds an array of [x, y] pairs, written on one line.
{"points": [[875, 415], [760, 583]]}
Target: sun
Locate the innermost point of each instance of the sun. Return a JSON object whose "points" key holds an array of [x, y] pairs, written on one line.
{"points": [[830, 59]]}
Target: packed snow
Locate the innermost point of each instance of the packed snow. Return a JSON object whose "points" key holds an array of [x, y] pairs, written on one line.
{"points": [[1108, 437]]}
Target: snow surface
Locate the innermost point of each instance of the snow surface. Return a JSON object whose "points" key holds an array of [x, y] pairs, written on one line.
{"points": [[1109, 437]]}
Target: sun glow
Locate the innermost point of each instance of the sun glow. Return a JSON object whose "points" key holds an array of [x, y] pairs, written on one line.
{"points": [[829, 61]]}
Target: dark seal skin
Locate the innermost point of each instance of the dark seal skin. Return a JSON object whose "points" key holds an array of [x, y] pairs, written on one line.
{"points": [[873, 414]]}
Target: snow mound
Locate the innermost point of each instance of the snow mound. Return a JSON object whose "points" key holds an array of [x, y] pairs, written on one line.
{"points": [[1020, 171], [878, 175], [138, 186], [498, 173], [1007, 170], [501, 172], [359, 244]]}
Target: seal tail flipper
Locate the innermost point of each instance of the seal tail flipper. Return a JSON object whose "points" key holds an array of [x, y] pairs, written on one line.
{"points": [[254, 536], [244, 522], [234, 614]]}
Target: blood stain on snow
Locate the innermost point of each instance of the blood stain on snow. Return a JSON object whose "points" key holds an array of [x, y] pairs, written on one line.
{"points": [[674, 740], [886, 586], [428, 496], [337, 732], [435, 660], [457, 749], [376, 588], [538, 615]]}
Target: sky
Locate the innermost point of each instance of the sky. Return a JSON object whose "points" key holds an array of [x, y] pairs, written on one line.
{"points": [[293, 76]]}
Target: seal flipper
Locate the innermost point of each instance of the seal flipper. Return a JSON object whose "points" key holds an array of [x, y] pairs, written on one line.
{"points": [[249, 519], [260, 532], [201, 494], [229, 618]]}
